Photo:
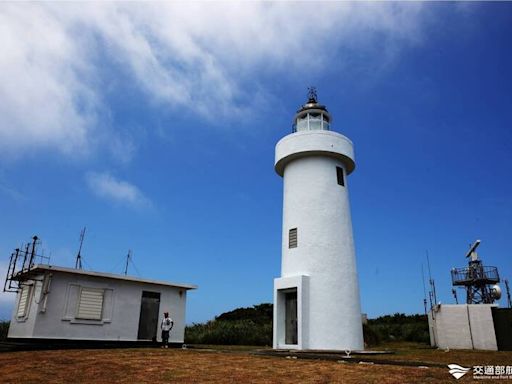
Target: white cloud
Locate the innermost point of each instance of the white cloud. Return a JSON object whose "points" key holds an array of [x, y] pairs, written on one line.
{"points": [[191, 56], [45, 98], [106, 186]]}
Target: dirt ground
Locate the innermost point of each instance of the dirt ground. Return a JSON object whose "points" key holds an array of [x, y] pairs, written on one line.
{"points": [[218, 366]]}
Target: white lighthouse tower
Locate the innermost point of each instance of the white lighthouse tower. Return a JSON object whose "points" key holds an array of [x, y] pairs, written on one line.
{"points": [[316, 299]]}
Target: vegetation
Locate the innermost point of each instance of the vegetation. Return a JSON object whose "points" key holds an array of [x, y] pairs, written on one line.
{"points": [[397, 327], [4, 327], [253, 326], [243, 326]]}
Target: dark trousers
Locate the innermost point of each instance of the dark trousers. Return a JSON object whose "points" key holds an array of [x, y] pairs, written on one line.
{"points": [[165, 337]]}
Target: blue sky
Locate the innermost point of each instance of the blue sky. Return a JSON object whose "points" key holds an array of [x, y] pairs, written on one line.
{"points": [[155, 126]]}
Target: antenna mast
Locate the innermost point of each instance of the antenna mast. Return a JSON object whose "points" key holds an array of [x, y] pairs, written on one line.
{"points": [[128, 258], [480, 281], [78, 262], [424, 290], [508, 294], [432, 293]]}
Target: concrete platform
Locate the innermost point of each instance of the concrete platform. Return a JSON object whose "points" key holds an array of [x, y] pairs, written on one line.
{"points": [[356, 357]]}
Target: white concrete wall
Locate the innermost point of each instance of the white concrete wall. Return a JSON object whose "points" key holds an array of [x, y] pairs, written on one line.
{"points": [[482, 327], [319, 208], [121, 310], [301, 284], [25, 326], [463, 326]]}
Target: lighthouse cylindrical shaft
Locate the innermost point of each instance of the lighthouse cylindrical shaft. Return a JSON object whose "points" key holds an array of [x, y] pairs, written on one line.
{"points": [[317, 297]]}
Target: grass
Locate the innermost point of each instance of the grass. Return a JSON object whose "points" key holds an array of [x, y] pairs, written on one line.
{"points": [[406, 351], [225, 365]]}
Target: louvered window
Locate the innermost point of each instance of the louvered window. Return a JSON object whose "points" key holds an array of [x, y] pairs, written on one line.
{"points": [[90, 306], [24, 301], [341, 177], [292, 238]]}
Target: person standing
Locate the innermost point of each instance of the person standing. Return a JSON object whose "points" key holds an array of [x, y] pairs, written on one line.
{"points": [[166, 326]]}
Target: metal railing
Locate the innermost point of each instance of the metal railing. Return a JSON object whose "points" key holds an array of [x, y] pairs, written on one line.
{"points": [[476, 273]]}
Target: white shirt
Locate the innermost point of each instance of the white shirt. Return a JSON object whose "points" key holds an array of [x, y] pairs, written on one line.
{"points": [[167, 324]]}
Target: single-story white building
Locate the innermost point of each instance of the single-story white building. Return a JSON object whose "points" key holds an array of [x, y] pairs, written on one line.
{"points": [[74, 304]]}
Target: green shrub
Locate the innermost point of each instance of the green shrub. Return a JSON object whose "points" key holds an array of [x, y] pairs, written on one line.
{"points": [[253, 326], [401, 327], [370, 337], [233, 332]]}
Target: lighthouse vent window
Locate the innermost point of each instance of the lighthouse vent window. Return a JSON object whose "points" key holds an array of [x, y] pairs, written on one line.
{"points": [[292, 238], [339, 174]]}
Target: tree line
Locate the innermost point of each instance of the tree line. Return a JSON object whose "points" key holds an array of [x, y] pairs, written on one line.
{"points": [[253, 326]]}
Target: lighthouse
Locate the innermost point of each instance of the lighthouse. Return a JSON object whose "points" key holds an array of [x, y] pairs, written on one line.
{"points": [[316, 299]]}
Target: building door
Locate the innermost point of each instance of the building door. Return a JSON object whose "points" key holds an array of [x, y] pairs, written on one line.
{"points": [[502, 318], [148, 320], [290, 317]]}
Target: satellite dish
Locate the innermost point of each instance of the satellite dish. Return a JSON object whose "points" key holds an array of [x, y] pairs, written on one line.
{"points": [[496, 292]]}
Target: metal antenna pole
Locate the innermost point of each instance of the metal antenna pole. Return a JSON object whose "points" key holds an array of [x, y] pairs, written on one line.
{"points": [[14, 267], [32, 254], [454, 292], [128, 257], [78, 262], [9, 273], [25, 254], [508, 294], [424, 290], [431, 281]]}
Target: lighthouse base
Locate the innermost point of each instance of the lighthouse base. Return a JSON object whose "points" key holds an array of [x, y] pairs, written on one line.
{"points": [[299, 325]]}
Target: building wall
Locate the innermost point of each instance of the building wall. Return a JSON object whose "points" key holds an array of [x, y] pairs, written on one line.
{"points": [[25, 326], [462, 326], [121, 310], [482, 327]]}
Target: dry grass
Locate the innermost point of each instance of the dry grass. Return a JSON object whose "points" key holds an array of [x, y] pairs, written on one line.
{"points": [[420, 352], [197, 366]]}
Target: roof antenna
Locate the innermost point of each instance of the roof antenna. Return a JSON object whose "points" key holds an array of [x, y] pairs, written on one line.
{"points": [[78, 262], [128, 259]]}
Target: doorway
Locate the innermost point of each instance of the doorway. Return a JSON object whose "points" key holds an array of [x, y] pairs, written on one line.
{"points": [[290, 316], [148, 320]]}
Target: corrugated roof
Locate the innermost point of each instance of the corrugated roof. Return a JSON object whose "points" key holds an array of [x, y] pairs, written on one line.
{"points": [[44, 267]]}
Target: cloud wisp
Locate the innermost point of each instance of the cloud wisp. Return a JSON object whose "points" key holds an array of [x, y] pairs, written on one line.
{"points": [[198, 57], [108, 187]]}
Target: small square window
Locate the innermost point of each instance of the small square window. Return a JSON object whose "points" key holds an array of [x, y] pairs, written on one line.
{"points": [[292, 238], [341, 176], [90, 305]]}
